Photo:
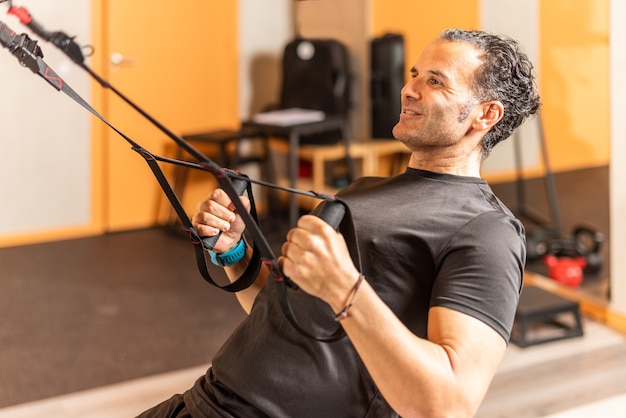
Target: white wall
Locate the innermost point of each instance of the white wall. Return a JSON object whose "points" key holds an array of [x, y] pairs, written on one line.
{"points": [[518, 19], [45, 178], [45, 136], [265, 27], [618, 152], [348, 22]]}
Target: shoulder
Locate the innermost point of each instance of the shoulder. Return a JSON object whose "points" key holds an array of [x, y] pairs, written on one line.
{"points": [[493, 228]]}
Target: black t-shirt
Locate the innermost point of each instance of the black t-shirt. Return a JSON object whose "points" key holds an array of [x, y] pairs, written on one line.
{"points": [[425, 239]]}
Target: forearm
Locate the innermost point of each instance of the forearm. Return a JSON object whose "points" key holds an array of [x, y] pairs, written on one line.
{"points": [[444, 375], [417, 377], [246, 297]]}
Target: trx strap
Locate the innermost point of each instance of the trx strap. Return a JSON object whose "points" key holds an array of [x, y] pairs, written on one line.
{"points": [[333, 210], [29, 55]]}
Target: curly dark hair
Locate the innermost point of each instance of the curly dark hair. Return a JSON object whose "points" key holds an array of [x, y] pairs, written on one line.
{"points": [[506, 75]]}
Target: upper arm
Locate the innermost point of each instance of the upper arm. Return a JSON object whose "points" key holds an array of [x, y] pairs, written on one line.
{"points": [[481, 273], [474, 349]]}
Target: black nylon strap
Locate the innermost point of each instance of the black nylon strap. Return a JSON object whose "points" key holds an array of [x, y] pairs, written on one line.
{"points": [[349, 233], [250, 274], [30, 56]]}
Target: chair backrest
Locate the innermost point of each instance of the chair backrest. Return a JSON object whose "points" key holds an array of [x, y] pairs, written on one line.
{"points": [[316, 76]]}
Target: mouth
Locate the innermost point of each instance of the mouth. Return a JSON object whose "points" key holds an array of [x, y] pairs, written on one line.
{"points": [[410, 112]]}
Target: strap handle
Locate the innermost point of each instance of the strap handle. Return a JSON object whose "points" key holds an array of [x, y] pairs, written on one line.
{"points": [[29, 55], [337, 213]]}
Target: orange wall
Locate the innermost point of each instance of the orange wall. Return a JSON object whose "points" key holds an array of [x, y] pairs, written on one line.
{"points": [[184, 75], [574, 62], [209, 50], [573, 66], [420, 22]]}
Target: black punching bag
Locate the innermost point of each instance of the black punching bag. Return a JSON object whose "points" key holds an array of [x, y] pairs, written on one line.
{"points": [[387, 79]]}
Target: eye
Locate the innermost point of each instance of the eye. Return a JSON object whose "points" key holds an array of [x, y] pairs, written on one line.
{"points": [[434, 82]]}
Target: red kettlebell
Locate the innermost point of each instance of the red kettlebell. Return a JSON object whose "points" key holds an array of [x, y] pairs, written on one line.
{"points": [[566, 270]]}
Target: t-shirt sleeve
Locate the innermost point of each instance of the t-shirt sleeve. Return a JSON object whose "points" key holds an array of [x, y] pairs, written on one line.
{"points": [[481, 271]]}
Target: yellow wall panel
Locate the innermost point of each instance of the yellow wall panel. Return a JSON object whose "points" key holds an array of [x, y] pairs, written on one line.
{"points": [[574, 55], [182, 74], [420, 22], [574, 59]]}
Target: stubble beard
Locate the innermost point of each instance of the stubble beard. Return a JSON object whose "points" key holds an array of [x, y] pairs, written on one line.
{"points": [[436, 132], [426, 134]]}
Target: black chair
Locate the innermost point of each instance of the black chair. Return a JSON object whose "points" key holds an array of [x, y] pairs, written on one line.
{"points": [[226, 146], [315, 76]]}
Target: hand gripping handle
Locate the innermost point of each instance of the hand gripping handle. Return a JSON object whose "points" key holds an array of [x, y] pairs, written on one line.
{"points": [[240, 186]]}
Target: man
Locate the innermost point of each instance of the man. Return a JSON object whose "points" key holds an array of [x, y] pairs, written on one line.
{"points": [[429, 316]]}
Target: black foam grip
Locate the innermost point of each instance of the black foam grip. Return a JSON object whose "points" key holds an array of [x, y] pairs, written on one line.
{"points": [[330, 211]]}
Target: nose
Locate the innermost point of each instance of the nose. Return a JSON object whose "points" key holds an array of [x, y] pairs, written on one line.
{"points": [[411, 88]]}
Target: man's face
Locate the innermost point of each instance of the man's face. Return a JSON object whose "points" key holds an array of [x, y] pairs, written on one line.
{"points": [[437, 103]]}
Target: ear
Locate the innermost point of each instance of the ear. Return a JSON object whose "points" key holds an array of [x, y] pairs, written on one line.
{"points": [[490, 113]]}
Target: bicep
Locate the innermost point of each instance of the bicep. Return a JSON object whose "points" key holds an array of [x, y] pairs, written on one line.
{"points": [[475, 350], [481, 273]]}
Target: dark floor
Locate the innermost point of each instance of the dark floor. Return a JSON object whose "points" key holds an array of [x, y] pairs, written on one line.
{"points": [[582, 199], [84, 313]]}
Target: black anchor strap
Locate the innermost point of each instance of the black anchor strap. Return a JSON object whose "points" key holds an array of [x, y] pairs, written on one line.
{"points": [[30, 55]]}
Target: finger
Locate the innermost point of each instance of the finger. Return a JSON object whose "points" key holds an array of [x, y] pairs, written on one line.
{"points": [[302, 234], [314, 240], [290, 268], [281, 263], [209, 225], [244, 201], [220, 196], [292, 252], [313, 223], [214, 214]]}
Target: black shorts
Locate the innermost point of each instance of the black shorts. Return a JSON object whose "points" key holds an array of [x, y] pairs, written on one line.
{"points": [[174, 407], [208, 398]]}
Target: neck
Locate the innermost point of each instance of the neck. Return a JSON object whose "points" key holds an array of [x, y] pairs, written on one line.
{"points": [[440, 162]]}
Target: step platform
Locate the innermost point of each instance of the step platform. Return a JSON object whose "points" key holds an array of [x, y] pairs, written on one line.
{"points": [[543, 317]]}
